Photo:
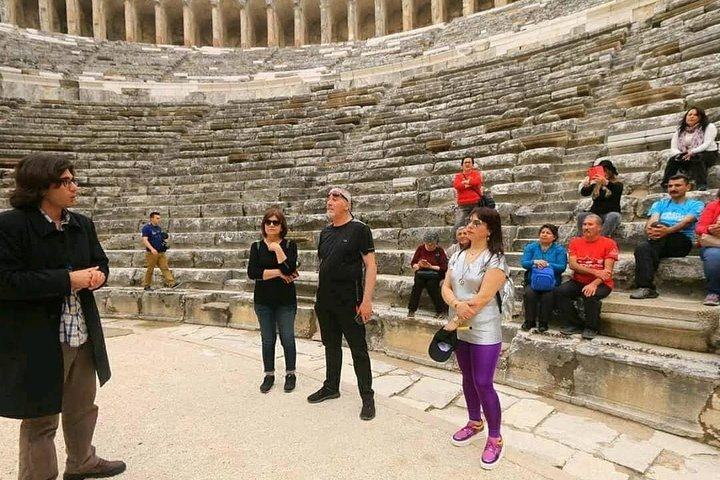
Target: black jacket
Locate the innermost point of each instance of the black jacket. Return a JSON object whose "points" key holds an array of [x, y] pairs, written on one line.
{"points": [[34, 279]]}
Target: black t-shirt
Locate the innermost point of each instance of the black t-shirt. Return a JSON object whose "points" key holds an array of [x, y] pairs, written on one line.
{"points": [[602, 204], [274, 291], [341, 251]]}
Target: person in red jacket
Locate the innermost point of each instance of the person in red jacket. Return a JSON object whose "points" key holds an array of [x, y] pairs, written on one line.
{"points": [[468, 189], [707, 231]]}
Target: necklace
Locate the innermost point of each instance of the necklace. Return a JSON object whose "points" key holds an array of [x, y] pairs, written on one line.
{"points": [[466, 265]]}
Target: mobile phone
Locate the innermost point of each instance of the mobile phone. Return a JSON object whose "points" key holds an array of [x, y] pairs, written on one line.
{"points": [[596, 171], [358, 318]]}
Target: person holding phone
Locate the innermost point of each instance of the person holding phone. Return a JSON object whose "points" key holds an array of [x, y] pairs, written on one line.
{"points": [[429, 264], [346, 282], [603, 186], [273, 266]]}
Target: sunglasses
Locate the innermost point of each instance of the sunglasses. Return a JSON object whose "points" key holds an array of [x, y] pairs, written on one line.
{"points": [[476, 223], [335, 195], [275, 223], [68, 182]]}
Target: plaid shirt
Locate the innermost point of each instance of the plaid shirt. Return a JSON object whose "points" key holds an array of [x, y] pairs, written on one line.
{"points": [[73, 329]]}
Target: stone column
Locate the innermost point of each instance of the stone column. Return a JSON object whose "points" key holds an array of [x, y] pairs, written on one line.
{"points": [[300, 23], [246, 28], [353, 21], [11, 11], [468, 7], [326, 22], [132, 26], [439, 11], [99, 22], [73, 12], [273, 25], [501, 3], [189, 26], [408, 14], [218, 24], [49, 20], [161, 27], [380, 18]]}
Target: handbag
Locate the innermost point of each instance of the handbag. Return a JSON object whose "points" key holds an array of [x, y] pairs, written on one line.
{"points": [[486, 201], [542, 279], [428, 274], [707, 240]]}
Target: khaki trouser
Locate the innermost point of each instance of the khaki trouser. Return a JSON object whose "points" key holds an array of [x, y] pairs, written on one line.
{"points": [[38, 459], [159, 260]]}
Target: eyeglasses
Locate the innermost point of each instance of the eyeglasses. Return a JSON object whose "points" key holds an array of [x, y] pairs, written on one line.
{"points": [[476, 222], [275, 223], [335, 195], [68, 182]]}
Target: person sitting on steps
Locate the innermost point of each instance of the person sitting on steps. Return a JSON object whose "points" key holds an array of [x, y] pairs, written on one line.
{"points": [[605, 191], [429, 264], [670, 231]]}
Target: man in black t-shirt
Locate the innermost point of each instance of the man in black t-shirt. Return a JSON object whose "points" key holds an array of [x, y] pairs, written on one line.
{"points": [[346, 283]]}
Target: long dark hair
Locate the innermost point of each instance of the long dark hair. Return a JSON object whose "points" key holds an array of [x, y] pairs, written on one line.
{"points": [[704, 121], [274, 212], [35, 174], [491, 218]]}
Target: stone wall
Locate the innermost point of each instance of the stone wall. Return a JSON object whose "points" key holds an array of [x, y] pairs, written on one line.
{"points": [[3, 14]]}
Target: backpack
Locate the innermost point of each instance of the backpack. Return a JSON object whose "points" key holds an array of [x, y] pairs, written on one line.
{"points": [[505, 297], [542, 279]]}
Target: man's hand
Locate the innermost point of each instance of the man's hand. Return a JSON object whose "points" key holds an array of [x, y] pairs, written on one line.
{"points": [[81, 279], [97, 279], [658, 232], [603, 275], [714, 230], [365, 311], [153, 251], [589, 289]]}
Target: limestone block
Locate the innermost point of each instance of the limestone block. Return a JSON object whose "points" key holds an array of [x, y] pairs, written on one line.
{"points": [[504, 124], [393, 290], [101, 297], [193, 240], [528, 172], [632, 453], [196, 311], [640, 161], [522, 192], [305, 322], [437, 393], [642, 124], [569, 125], [236, 239], [124, 303], [391, 262], [410, 238], [309, 222], [242, 313], [386, 237], [442, 197], [412, 218], [587, 467], [544, 363], [178, 258], [656, 109], [511, 146], [496, 161], [380, 219], [550, 139], [209, 259], [124, 277], [500, 175], [163, 305]]}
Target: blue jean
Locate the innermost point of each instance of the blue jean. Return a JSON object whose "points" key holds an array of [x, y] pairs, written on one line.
{"points": [[274, 319], [711, 265]]}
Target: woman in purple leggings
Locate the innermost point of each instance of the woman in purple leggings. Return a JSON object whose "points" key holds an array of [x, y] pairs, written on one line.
{"points": [[476, 274]]}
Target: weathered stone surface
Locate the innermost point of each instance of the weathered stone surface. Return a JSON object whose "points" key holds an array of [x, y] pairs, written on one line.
{"points": [[518, 192], [580, 433], [437, 393], [632, 453], [541, 155], [166, 306], [526, 414], [587, 467], [534, 172]]}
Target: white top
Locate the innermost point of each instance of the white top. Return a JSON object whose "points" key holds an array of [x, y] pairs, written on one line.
{"points": [[708, 144], [466, 279]]}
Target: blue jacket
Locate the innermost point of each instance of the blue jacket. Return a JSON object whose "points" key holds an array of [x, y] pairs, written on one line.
{"points": [[556, 256]]}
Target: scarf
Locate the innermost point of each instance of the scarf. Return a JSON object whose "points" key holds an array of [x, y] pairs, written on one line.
{"points": [[691, 138]]}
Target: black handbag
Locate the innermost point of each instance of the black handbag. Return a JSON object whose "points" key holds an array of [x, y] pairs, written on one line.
{"points": [[486, 201], [428, 274]]}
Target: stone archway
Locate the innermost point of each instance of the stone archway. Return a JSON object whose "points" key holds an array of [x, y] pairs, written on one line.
{"points": [[366, 19], [23, 13]]}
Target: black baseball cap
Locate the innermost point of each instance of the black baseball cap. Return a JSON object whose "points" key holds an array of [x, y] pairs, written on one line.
{"points": [[442, 345]]}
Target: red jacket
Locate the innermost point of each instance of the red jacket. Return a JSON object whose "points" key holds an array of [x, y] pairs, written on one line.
{"points": [[468, 195], [709, 216]]}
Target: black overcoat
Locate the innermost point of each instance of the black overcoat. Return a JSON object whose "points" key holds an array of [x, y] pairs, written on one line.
{"points": [[35, 259]]}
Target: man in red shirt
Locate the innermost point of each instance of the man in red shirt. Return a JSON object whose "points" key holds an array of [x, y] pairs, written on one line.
{"points": [[592, 258]]}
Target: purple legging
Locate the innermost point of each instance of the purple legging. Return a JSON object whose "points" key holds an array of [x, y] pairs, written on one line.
{"points": [[477, 363]]}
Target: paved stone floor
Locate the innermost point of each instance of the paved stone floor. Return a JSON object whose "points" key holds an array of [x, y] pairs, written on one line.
{"points": [[184, 404]]}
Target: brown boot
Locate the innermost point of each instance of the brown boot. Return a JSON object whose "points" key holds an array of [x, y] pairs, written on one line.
{"points": [[103, 469]]}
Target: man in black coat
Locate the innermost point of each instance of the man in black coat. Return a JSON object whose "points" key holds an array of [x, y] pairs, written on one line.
{"points": [[51, 340]]}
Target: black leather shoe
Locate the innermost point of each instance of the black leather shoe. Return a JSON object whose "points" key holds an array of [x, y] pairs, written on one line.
{"points": [[322, 395], [368, 410], [542, 328], [526, 326], [267, 383], [103, 469], [289, 382]]}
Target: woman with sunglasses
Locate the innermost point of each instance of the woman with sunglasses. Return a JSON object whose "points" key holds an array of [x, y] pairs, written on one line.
{"points": [[475, 275], [273, 266]]}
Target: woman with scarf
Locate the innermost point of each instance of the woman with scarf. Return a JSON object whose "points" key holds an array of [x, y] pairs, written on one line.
{"points": [[693, 148], [605, 191]]}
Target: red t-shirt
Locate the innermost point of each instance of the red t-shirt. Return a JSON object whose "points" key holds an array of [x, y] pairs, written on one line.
{"points": [[592, 255]]}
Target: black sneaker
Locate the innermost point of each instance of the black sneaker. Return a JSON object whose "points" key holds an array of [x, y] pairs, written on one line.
{"points": [[526, 326], [571, 330], [177, 285], [289, 382], [543, 328], [322, 395], [267, 383], [148, 289], [589, 334], [643, 293], [368, 410]]}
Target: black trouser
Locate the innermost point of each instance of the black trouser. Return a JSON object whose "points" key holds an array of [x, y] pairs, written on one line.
{"points": [[566, 293], [336, 321], [432, 285], [538, 306], [649, 253], [696, 167]]}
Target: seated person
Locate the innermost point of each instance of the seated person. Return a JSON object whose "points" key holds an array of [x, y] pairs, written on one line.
{"points": [[429, 264], [592, 258], [461, 242], [468, 190], [708, 234], [606, 191], [545, 252], [693, 148], [670, 230]]}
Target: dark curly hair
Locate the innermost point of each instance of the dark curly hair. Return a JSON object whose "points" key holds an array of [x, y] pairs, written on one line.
{"points": [[704, 120], [35, 174]]}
